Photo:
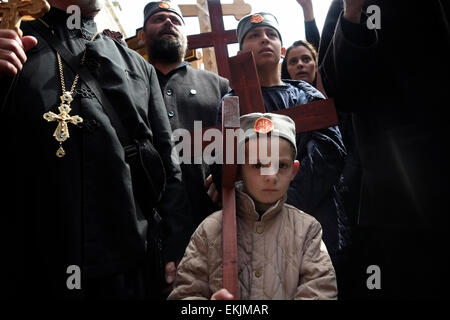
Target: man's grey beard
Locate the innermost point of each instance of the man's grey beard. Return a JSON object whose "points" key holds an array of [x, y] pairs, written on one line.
{"points": [[167, 50]]}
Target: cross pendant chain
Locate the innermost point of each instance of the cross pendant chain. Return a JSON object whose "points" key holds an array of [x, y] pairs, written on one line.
{"points": [[61, 133]]}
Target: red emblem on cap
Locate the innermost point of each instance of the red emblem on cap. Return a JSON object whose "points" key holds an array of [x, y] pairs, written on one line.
{"points": [[257, 18], [263, 125], [164, 5]]}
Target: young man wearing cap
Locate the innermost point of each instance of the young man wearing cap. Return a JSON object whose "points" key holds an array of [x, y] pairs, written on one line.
{"points": [[320, 153], [280, 250], [189, 94]]}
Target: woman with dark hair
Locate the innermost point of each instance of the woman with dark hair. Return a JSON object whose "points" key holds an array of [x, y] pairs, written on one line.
{"points": [[300, 62]]}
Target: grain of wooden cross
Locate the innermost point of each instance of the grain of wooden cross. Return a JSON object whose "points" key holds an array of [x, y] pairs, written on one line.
{"points": [[218, 38], [308, 117], [238, 9], [13, 11]]}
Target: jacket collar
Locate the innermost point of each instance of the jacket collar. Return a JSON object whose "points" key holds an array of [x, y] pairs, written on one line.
{"points": [[245, 207], [182, 65], [57, 18]]}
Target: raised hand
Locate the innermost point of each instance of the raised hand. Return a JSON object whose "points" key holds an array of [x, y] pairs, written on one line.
{"points": [[307, 7], [352, 10]]}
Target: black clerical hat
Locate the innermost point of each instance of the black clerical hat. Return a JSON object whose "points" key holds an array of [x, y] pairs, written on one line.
{"points": [[156, 6]]}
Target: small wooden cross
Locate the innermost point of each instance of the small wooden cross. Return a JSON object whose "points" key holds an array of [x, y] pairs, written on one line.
{"points": [[13, 11], [61, 133]]}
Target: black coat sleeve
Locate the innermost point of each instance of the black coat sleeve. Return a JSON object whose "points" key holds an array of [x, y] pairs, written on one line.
{"points": [[347, 60], [321, 154], [174, 209], [312, 33]]}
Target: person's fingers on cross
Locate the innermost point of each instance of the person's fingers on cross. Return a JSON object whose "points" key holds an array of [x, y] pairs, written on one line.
{"points": [[222, 294], [170, 271], [212, 191]]}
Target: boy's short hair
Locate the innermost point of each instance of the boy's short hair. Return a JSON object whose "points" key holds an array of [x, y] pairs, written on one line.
{"points": [[256, 124], [251, 21]]}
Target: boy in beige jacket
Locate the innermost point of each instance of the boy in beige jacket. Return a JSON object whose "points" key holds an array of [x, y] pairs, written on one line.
{"points": [[281, 254]]}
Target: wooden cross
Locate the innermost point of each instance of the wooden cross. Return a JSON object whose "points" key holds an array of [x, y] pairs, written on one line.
{"points": [[218, 38], [13, 11], [308, 117], [238, 9]]}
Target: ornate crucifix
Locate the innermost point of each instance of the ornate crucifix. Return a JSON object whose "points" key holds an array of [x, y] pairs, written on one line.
{"points": [[61, 133], [13, 11]]}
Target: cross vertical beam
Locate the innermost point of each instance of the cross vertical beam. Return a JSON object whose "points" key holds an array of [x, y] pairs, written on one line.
{"points": [[230, 123], [218, 38]]}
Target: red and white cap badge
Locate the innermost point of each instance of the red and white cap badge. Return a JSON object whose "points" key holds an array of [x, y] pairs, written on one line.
{"points": [[263, 125]]}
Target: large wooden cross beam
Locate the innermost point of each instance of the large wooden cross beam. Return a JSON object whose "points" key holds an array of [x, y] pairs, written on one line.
{"points": [[13, 11], [238, 9], [312, 116]]}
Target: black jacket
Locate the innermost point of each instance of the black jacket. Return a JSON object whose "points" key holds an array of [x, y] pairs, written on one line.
{"points": [[389, 80], [192, 95], [394, 81]]}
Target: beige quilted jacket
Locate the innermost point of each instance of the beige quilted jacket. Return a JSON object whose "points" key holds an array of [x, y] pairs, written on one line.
{"points": [[281, 256]]}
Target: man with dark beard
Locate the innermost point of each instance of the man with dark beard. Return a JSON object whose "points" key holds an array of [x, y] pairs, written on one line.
{"points": [[74, 224], [190, 95]]}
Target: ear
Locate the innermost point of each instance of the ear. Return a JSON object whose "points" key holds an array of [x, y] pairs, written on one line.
{"points": [[143, 36], [295, 169], [283, 52]]}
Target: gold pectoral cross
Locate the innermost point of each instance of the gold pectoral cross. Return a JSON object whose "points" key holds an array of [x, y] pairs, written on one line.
{"points": [[61, 133]]}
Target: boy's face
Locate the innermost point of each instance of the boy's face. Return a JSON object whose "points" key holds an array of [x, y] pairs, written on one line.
{"points": [[268, 189], [265, 44]]}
